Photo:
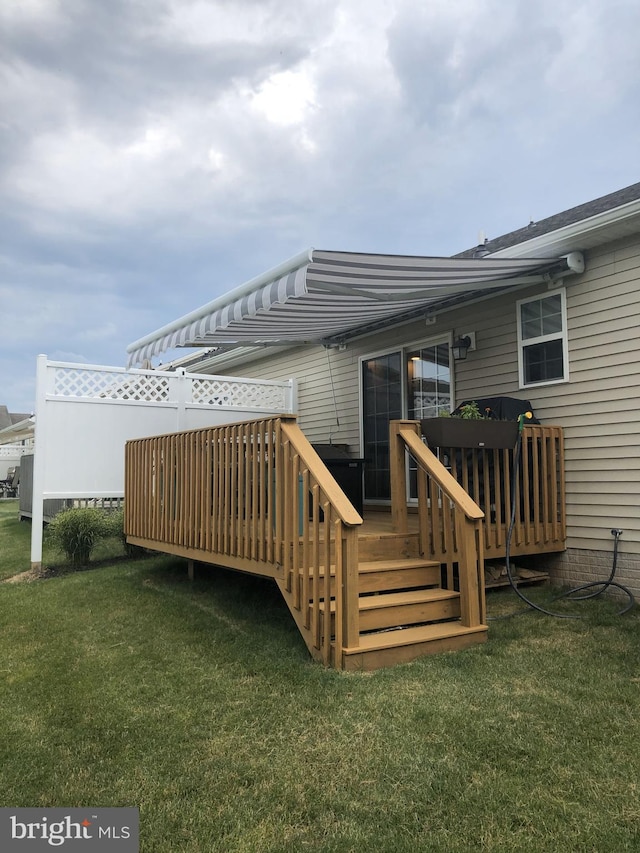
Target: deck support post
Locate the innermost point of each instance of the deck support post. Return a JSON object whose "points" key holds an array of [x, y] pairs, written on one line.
{"points": [[190, 569]]}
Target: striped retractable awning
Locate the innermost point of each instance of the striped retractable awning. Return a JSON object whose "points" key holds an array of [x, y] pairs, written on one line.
{"points": [[321, 295]]}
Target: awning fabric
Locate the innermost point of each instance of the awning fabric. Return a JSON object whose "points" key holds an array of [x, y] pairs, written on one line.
{"points": [[320, 295]]}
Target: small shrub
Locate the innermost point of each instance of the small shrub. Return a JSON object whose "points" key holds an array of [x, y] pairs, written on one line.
{"points": [[115, 522], [76, 532]]}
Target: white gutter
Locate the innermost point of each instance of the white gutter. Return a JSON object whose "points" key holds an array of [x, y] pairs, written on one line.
{"points": [[545, 243], [242, 290]]}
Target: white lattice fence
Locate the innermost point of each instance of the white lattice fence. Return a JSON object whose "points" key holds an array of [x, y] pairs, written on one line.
{"points": [[86, 413], [138, 386], [221, 391], [104, 384]]}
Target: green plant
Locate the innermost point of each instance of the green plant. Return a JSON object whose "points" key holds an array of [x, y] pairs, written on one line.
{"points": [[115, 524], [470, 412], [466, 412], [76, 532]]}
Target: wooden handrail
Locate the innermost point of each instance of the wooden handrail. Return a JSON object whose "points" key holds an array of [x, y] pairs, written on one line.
{"points": [[320, 537], [343, 507], [430, 462], [446, 512]]}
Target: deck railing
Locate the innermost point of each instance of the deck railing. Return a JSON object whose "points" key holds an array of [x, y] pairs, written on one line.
{"points": [[450, 521], [253, 496], [537, 492], [318, 527]]}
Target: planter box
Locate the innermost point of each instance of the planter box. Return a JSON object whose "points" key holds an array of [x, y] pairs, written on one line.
{"points": [[456, 432]]}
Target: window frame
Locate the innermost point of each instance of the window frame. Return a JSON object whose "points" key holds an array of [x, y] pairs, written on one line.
{"points": [[562, 336]]}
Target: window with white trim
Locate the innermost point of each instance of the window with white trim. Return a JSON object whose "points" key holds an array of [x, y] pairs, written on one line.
{"points": [[542, 339]]}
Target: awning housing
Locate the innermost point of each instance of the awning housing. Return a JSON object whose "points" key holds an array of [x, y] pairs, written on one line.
{"points": [[319, 296]]}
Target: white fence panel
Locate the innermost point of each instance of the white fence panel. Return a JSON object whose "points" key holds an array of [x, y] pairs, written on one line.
{"points": [[86, 413]]}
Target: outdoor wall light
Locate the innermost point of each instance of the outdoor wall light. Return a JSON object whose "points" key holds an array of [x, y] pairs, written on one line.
{"points": [[460, 347]]}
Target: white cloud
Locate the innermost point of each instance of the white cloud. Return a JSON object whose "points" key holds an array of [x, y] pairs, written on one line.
{"points": [[156, 154], [286, 97], [155, 142], [42, 12]]}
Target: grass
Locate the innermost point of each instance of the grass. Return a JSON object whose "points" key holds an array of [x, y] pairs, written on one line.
{"points": [[127, 685], [15, 549]]}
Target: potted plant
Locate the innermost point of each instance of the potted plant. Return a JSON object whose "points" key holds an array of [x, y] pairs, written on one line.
{"points": [[468, 427]]}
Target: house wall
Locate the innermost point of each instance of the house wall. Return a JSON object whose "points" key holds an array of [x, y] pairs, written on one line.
{"points": [[599, 407]]}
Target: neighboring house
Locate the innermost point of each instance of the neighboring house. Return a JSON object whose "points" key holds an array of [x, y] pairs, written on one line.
{"points": [[16, 439], [553, 315], [15, 427]]}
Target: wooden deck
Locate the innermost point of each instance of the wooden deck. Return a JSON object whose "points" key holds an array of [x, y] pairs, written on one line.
{"points": [[364, 592]]}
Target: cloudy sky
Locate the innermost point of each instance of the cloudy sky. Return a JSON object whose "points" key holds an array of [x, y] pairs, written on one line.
{"points": [[156, 153]]}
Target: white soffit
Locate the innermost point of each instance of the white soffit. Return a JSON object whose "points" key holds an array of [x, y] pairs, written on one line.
{"points": [[320, 295]]}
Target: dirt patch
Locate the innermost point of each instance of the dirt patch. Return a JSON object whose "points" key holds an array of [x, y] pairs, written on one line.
{"points": [[33, 575], [47, 572]]}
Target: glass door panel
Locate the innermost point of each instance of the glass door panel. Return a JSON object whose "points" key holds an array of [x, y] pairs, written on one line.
{"points": [[382, 399], [428, 390], [428, 381]]}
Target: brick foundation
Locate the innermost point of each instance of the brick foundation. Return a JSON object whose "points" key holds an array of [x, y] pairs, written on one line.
{"points": [[577, 566]]}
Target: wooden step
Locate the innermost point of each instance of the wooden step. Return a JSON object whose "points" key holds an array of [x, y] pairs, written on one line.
{"points": [[408, 573], [379, 546], [406, 644], [385, 575], [410, 607], [388, 545]]}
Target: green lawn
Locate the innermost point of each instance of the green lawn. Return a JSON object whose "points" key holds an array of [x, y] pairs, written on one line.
{"points": [[126, 685], [15, 544]]}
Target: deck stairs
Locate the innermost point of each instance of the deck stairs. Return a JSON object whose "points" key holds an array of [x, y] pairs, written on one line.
{"points": [[404, 612]]}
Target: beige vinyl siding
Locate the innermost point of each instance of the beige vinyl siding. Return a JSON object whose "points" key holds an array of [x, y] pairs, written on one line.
{"points": [[599, 407], [328, 403]]}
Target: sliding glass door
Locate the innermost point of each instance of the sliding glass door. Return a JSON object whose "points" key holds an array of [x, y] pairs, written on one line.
{"points": [[413, 383]]}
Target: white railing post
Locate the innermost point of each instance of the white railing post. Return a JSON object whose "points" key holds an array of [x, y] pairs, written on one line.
{"points": [[39, 460], [293, 397], [179, 390]]}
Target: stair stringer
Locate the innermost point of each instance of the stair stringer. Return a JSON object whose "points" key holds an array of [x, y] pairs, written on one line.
{"points": [[319, 654]]}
